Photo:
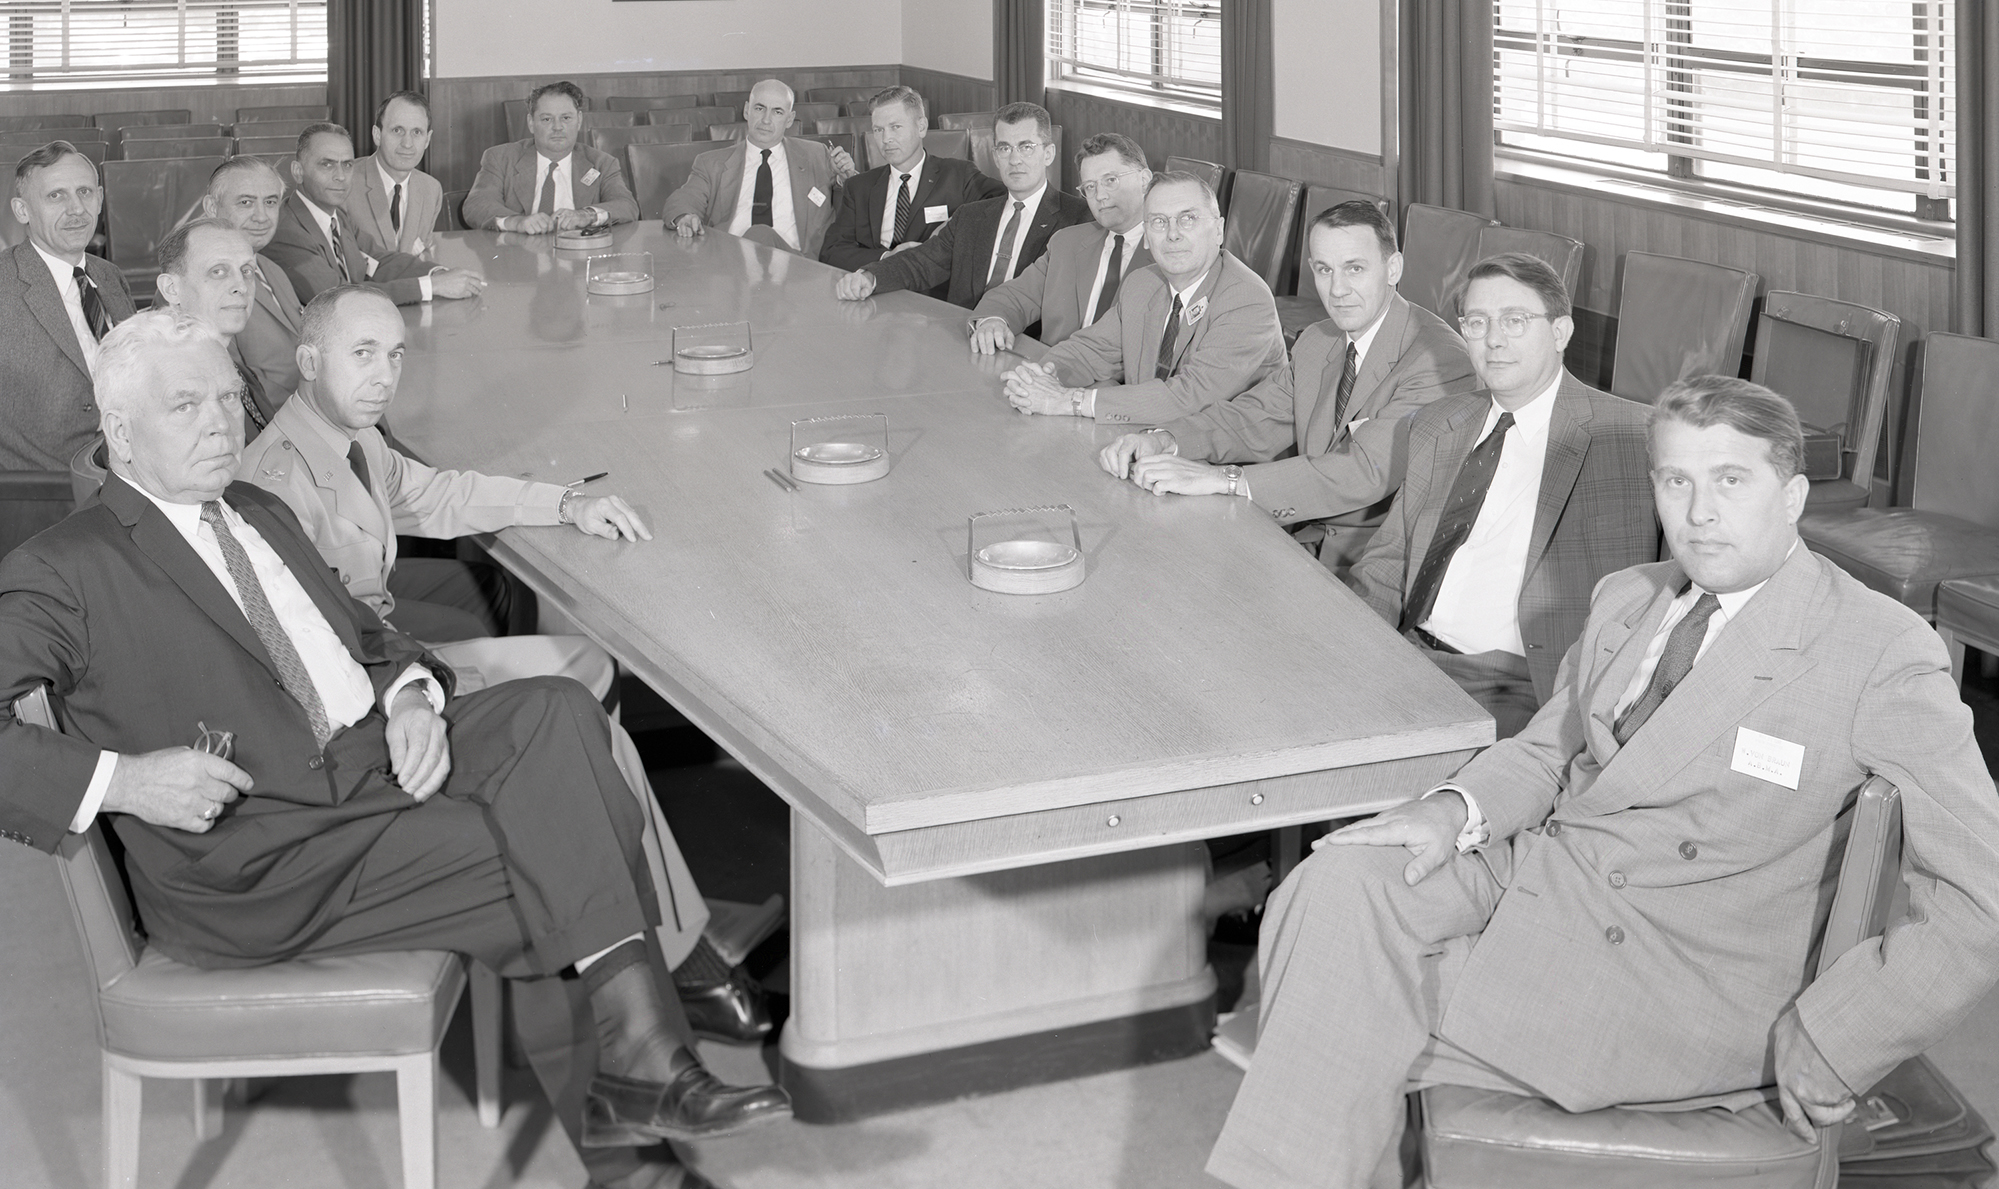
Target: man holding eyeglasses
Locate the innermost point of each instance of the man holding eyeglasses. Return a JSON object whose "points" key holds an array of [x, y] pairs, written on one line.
{"points": [[1519, 498], [1193, 328], [548, 181], [1076, 281], [991, 241]]}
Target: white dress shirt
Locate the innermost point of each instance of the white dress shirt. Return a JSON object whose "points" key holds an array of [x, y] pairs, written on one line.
{"points": [[72, 304], [565, 186], [915, 172], [1363, 341], [1133, 238], [783, 219], [1027, 214], [326, 219], [389, 184], [1478, 599], [345, 691]]}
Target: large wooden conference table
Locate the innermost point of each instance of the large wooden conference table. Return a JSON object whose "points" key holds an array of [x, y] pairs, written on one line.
{"points": [[998, 800]]}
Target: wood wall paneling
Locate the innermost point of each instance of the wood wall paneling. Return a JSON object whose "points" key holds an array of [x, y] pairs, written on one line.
{"points": [[205, 105], [1161, 133], [1327, 166], [949, 93]]}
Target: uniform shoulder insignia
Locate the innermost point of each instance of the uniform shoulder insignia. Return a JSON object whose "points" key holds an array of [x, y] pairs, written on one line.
{"points": [[277, 464]]}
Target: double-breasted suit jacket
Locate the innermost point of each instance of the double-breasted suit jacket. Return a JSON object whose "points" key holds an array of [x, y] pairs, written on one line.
{"points": [[1055, 290], [715, 185], [505, 185], [857, 236], [50, 406], [367, 209], [960, 256]]}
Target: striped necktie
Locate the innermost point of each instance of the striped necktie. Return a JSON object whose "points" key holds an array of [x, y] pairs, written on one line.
{"points": [[264, 621], [902, 210]]}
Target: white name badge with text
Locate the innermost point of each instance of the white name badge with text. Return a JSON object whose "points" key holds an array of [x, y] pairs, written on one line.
{"points": [[1767, 757], [936, 214], [818, 198]]}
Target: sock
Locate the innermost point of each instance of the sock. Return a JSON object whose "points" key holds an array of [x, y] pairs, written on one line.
{"points": [[633, 1039], [703, 967]]}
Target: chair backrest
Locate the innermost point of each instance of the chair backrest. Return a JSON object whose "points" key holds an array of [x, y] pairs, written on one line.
{"points": [[615, 140], [31, 501], [517, 117], [858, 126], [20, 144], [846, 97], [21, 123], [700, 117], [168, 131], [454, 210], [609, 119], [952, 143], [268, 146], [1956, 434], [1562, 254], [288, 128], [1215, 175], [143, 200], [845, 140], [206, 146], [805, 115], [1263, 214], [963, 119], [1439, 246], [312, 113], [1677, 318], [110, 120], [660, 169], [1881, 330], [650, 102], [729, 99], [733, 131], [1317, 201]]}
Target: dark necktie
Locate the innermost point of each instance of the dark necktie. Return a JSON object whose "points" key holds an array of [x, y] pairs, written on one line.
{"points": [[1460, 513], [339, 253], [902, 207], [1112, 275], [253, 398], [1163, 370], [1682, 646], [93, 305], [358, 463], [760, 197], [546, 204], [1003, 263], [396, 209], [264, 621], [1348, 375]]}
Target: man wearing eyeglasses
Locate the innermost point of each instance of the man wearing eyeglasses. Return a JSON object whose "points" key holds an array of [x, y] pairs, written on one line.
{"points": [[1193, 328], [991, 241], [1519, 498], [1077, 280], [548, 181]]}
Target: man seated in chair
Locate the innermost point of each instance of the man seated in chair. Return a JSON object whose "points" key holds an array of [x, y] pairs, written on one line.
{"points": [[365, 806], [786, 185], [549, 181], [248, 194], [1620, 904]]}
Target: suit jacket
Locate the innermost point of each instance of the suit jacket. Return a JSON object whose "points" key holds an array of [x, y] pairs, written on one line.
{"points": [[367, 210], [1234, 342], [1055, 288], [961, 254], [354, 527], [1727, 878], [1302, 465], [156, 646], [306, 255], [1595, 514], [268, 343], [857, 236], [505, 185], [715, 184], [50, 406]]}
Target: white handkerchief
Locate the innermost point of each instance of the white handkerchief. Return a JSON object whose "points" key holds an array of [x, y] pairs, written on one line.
{"points": [[817, 196], [590, 177], [1767, 757], [936, 214]]}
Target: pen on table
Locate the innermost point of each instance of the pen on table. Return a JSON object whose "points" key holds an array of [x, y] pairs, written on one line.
{"points": [[587, 479]]}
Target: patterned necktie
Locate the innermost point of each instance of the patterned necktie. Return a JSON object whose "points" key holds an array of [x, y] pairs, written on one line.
{"points": [[358, 463], [1682, 646], [1348, 375], [264, 621], [339, 252], [1163, 370], [1113, 273], [1460, 513], [93, 305], [396, 209], [546, 204], [1003, 263], [760, 197], [253, 398], [902, 208]]}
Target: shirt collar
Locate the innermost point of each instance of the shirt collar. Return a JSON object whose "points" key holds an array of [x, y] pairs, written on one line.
{"points": [[1732, 602], [186, 518], [915, 172], [1186, 295], [1365, 339], [751, 151], [389, 182], [1532, 418], [1032, 200], [63, 271]]}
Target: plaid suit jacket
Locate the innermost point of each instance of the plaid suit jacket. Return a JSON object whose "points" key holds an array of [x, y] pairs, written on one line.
{"points": [[1595, 515]]}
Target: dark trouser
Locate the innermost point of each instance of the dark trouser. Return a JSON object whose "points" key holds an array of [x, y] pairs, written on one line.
{"points": [[439, 600], [1498, 681]]}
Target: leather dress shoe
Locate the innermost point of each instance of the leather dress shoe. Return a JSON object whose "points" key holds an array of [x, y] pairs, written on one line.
{"points": [[732, 1010], [694, 1104]]}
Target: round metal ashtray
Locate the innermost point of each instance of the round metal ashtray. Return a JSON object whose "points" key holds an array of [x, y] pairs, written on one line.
{"points": [[839, 462], [615, 284], [579, 239], [714, 359], [1027, 567]]}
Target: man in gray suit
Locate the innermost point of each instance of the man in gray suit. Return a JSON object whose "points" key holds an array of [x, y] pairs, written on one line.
{"points": [[767, 179], [393, 205], [208, 271], [248, 195], [1325, 437], [1622, 904], [1518, 499], [549, 181], [1076, 281], [56, 302], [1194, 327]]}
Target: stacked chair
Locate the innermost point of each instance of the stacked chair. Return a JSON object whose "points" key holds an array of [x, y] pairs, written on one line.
{"points": [[1836, 362]]}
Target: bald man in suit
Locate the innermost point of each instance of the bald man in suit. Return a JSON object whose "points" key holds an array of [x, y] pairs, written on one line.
{"points": [[767, 179]]}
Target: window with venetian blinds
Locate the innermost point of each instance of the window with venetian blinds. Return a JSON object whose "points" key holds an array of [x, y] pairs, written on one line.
{"points": [[109, 43], [1147, 48]]}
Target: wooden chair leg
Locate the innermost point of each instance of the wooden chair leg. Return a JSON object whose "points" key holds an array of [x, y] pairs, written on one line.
{"points": [[208, 1095], [416, 1109], [123, 1091], [487, 1013]]}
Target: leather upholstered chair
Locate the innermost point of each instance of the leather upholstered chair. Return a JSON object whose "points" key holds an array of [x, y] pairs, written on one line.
{"points": [[154, 149], [609, 119], [1262, 221], [1950, 528], [650, 102], [1490, 1140], [699, 117], [31, 501], [1968, 614], [731, 99], [266, 146], [168, 131], [964, 119], [362, 1013], [451, 217], [310, 112], [16, 145], [846, 97], [1439, 246], [1562, 254], [1677, 318], [290, 128], [143, 200], [616, 140], [1215, 175], [1295, 313], [1836, 361], [660, 169], [111, 121], [733, 131], [952, 143], [87, 469], [806, 113]]}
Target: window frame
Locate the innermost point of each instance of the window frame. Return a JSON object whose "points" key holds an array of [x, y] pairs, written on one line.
{"points": [[192, 25], [1157, 88]]}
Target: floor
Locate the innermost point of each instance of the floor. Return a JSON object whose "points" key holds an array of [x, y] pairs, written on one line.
{"points": [[1140, 1129]]}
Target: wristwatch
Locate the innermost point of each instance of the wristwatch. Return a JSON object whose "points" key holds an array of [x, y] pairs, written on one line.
{"points": [[1233, 474]]}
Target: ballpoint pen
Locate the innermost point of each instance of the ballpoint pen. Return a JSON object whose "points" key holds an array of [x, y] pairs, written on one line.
{"points": [[587, 479]]}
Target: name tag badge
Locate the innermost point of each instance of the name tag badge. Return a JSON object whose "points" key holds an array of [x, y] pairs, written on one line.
{"points": [[817, 196], [936, 214], [591, 177], [1767, 757]]}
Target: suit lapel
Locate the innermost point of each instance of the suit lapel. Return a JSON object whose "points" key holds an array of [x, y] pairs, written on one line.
{"points": [[305, 564], [525, 167], [1623, 643], [310, 232], [45, 299], [729, 187], [268, 300], [1205, 292], [872, 193], [1568, 444], [378, 204], [160, 540], [1382, 355]]}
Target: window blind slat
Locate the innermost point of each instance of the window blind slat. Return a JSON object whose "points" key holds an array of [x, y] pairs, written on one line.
{"points": [[94, 42], [1151, 47]]}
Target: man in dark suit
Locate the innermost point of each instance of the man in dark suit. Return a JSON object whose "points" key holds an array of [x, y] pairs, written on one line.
{"points": [[319, 249], [549, 181], [1519, 498], [362, 808], [1076, 281], [893, 208], [1326, 437], [782, 184], [991, 241], [393, 205], [56, 302], [248, 194]]}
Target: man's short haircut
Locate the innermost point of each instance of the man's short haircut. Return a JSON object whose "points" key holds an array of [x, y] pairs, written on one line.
{"points": [[1748, 409], [173, 247], [325, 307], [323, 128], [1531, 271], [1357, 212], [561, 87], [231, 166], [1175, 177], [1113, 142], [416, 97], [898, 93], [1014, 113], [42, 158], [124, 358], [790, 96]]}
